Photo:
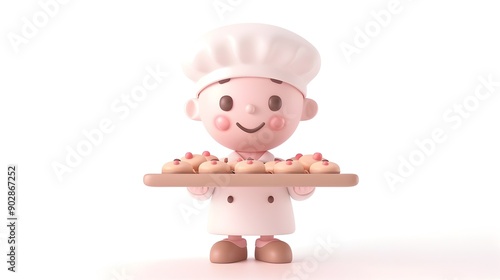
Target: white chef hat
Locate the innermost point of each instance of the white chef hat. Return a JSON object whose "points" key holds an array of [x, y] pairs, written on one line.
{"points": [[252, 50]]}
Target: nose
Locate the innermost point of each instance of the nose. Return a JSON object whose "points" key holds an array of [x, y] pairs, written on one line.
{"points": [[250, 108]]}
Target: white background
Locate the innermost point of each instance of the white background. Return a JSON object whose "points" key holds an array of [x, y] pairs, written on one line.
{"points": [[100, 221]]}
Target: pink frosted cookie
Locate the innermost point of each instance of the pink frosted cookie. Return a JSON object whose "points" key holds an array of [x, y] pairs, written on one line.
{"points": [[289, 167], [270, 165], [297, 156], [250, 166], [214, 166], [177, 166], [232, 164], [208, 156], [194, 159], [324, 167], [308, 160]]}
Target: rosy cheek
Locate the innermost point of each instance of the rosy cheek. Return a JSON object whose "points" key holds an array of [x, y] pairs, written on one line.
{"points": [[276, 122], [222, 123]]}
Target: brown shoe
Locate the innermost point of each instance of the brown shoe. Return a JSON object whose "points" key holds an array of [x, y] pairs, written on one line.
{"points": [[274, 252], [227, 252]]}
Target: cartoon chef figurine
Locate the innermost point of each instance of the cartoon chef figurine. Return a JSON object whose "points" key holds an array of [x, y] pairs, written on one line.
{"points": [[250, 95]]}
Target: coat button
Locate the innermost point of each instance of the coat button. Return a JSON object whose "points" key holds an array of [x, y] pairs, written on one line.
{"points": [[270, 199], [230, 199]]}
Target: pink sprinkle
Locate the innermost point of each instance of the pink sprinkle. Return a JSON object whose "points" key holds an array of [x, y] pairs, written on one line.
{"points": [[297, 156], [206, 153], [250, 161], [325, 162], [189, 155], [317, 156], [176, 162], [213, 162], [288, 162]]}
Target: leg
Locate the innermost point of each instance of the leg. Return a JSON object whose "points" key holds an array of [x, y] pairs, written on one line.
{"points": [[229, 250], [272, 250]]}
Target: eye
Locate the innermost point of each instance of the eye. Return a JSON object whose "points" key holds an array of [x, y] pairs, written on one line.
{"points": [[274, 103], [226, 103]]}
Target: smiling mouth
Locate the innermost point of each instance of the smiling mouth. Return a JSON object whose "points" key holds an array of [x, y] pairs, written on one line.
{"points": [[247, 130]]}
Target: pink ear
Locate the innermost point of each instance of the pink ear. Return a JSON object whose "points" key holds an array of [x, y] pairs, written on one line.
{"points": [[309, 109], [192, 109]]}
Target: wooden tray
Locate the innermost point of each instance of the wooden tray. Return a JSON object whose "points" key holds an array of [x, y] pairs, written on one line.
{"points": [[253, 180]]}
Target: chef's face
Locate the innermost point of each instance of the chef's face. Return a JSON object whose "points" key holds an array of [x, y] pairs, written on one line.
{"points": [[250, 114]]}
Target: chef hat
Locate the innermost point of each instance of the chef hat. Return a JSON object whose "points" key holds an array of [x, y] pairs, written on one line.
{"points": [[252, 50]]}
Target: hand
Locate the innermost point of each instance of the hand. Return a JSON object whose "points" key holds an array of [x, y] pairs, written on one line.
{"points": [[198, 190], [303, 190]]}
